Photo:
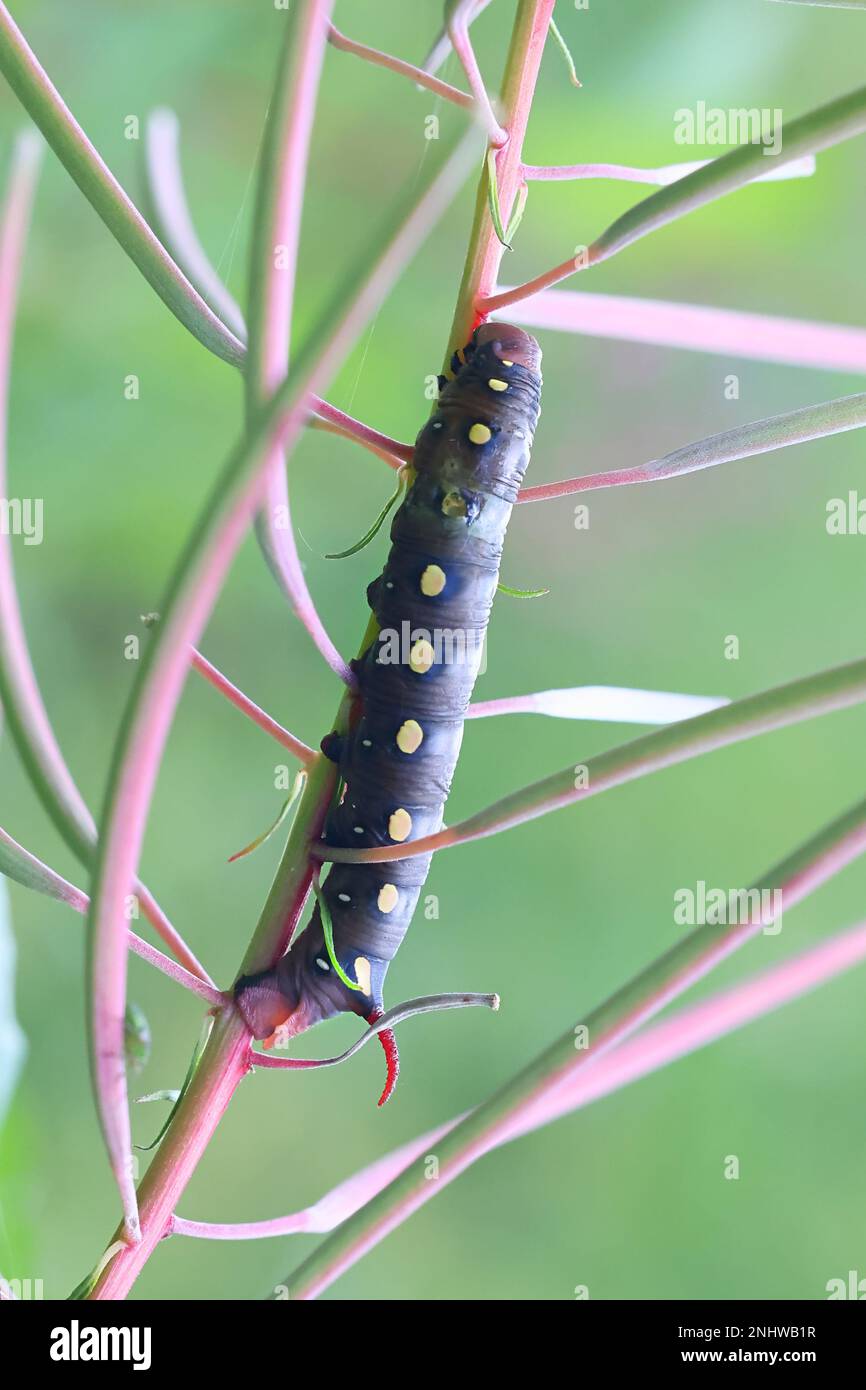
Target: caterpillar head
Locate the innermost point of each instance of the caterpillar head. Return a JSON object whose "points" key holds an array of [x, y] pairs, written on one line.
{"points": [[510, 344], [303, 989]]}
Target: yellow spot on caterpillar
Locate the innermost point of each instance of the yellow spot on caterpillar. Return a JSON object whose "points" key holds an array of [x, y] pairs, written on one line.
{"points": [[388, 897], [432, 581], [362, 973], [410, 736], [454, 504], [496, 385], [421, 656], [506, 364], [400, 825], [479, 434]]}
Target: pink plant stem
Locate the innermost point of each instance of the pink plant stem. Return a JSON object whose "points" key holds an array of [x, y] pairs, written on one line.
{"points": [[385, 60], [209, 993], [250, 708], [699, 328], [457, 25], [442, 47], [387, 448], [213, 1084], [504, 299], [169, 934]]}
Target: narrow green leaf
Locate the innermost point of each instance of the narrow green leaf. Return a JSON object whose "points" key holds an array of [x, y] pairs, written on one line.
{"points": [[136, 1038], [297, 787], [196, 1058], [172, 1096], [517, 214], [493, 201], [328, 933], [377, 524], [521, 593], [564, 49]]}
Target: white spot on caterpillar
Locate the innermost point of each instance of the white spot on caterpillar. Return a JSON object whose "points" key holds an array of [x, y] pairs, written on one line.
{"points": [[322, 964], [496, 385], [437, 425], [367, 742], [362, 973], [388, 897], [433, 581], [479, 434], [421, 656], [358, 829], [410, 736], [344, 897], [400, 825]]}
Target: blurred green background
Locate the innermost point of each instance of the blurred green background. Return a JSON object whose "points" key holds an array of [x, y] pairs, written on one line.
{"points": [[627, 1197]]}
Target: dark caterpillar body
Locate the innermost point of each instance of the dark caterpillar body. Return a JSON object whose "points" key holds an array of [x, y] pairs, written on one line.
{"points": [[432, 604]]}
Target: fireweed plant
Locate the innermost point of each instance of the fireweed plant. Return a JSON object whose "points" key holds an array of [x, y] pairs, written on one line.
{"points": [[620, 1039]]}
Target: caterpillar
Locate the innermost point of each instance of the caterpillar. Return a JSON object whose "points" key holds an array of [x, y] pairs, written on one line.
{"points": [[414, 682]]}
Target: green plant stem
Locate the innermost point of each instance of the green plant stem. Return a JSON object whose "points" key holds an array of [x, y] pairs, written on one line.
{"points": [[485, 250]]}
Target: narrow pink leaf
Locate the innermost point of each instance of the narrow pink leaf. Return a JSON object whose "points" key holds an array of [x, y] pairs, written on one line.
{"points": [[172, 220], [698, 328], [661, 176], [608, 703]]}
